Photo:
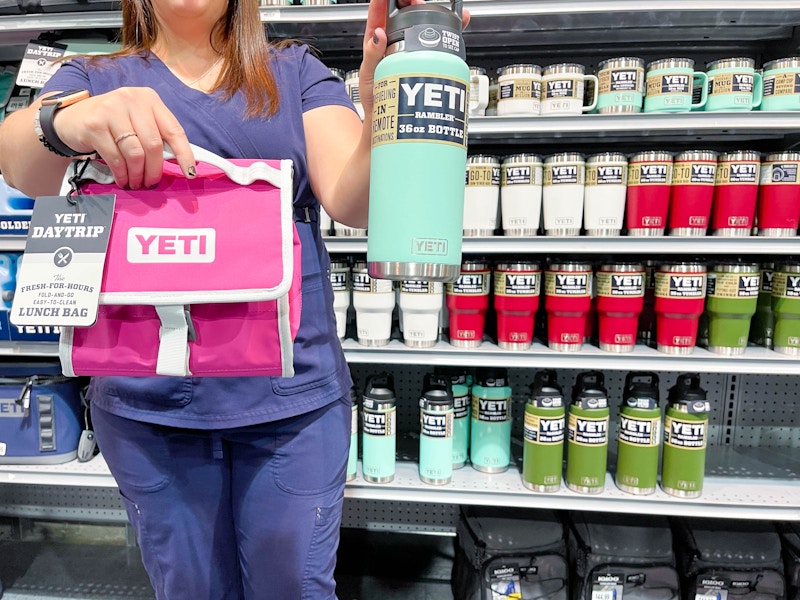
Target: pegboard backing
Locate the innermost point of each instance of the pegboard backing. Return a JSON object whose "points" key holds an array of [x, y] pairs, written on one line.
{"points": [[409, 517], [768, 412], [70, 503]]}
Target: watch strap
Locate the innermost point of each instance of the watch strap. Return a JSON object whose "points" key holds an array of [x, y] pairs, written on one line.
{"points": [[49, 137]]}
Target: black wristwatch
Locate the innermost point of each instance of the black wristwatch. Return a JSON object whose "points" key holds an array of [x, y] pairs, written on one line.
{"points": [[43, 121]]}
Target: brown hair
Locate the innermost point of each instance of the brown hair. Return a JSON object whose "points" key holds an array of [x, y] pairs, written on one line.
{"points": [[239, 36]]}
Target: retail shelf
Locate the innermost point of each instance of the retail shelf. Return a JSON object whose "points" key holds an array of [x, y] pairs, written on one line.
{"points": [[775, 498], [643, 358], [723, 497], [28, 348], [694, 126], [667, 245]]}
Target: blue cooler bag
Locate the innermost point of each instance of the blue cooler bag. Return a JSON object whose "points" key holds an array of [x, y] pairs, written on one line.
{"points": [[41, 414]]}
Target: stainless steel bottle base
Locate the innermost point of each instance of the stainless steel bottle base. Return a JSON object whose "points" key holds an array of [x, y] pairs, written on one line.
{"points": [[459, 465], [371, 479], [483, 469], [399, 271], [732, 232], [350, 477], [676, 349], [430, 481], [465, 343], [618, 348], [688, 232], [564, 232], [558, 347], [514, 345], [726, 350], [584, 489], [373, 343], [603, 232], [637, 491], [606, 110], [777, 232], [351, 232], [477, 232], [682, 493], [645, 232], [520, 232], [536, 487], [790, 350], [419, 343]]}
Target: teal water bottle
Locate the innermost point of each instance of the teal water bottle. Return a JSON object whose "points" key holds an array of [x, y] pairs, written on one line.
{"points": [[587, 435], [352, 459], [460, 384], [436, 431], [419, 146], [379, 429], [639, 435], [490, 437]]}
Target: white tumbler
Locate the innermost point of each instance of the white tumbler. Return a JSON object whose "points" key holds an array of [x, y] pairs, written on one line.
{"points": [[325, 222], [604, 194], [421, 304], [481, 195], [351, 85], [373, 301], [345, 231], [340, 282], [521, 194], [562, 193]]}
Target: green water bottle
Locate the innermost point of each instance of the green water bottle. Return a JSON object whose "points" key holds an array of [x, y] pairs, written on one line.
{"points": [[543, 434], [436, 430], [490, 434], [639, 435], [762, 327], [786, 308], [587, 434], [352, 459], [421, 96], [685, 438]]}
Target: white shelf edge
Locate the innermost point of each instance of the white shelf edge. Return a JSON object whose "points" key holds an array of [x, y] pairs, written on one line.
{"points": [[722, 497], [754, 360], [592, 245]]}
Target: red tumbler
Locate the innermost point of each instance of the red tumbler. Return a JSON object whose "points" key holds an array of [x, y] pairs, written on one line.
{"points": [[647, 203], [680, 299], [516, 299], [692, 192], [568, 300], [620, 298], [467, 300], [647, 320], [735, 193], [779, 195]]}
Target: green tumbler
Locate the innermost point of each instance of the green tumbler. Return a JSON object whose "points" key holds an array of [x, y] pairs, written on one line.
{"points": [[786, 308], [732, 297], [762, 327]]}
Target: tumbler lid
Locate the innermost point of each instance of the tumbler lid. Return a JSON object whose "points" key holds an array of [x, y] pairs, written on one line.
{"points": [[641, 390], [545, 391], [492, 377], [400, 20], [589, 391], [379, 391], [687, 395]]}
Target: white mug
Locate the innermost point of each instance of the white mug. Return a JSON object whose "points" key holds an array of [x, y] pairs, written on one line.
{"points": [[478, 91], [519, 89], [562, 89]]}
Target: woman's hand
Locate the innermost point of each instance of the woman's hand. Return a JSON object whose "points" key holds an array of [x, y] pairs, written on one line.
{"points": [[127, 127], [375, 46]]}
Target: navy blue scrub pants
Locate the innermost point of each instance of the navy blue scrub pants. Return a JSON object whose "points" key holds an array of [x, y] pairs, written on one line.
{"points": [[250, 513]]}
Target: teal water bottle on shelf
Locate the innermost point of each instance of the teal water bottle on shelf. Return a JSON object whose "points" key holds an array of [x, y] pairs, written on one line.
{"points": [[419, 146]]}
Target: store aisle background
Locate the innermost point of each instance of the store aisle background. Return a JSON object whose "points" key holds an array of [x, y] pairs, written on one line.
{"points": [[56, 561]]}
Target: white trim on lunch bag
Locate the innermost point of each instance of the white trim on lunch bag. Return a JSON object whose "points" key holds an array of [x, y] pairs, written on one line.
{"points": [[173, 341], [285, 337], [65, 351]]}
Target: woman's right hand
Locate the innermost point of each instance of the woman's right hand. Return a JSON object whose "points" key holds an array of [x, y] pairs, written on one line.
{"points": [[127, 127]]}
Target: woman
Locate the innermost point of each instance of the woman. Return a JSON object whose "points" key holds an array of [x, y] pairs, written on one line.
{"points": [[233, 485]]}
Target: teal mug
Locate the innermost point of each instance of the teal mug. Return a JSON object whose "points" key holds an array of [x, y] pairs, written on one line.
{"points": [[733, 84], [782, 84], [620, 85], [668, 86]]}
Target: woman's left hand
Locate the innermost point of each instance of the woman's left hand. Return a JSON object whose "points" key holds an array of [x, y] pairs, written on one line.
{"points": [[375, 46]]}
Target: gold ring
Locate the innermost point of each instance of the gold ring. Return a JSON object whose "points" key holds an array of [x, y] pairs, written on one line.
{"points": [[122, 136]]}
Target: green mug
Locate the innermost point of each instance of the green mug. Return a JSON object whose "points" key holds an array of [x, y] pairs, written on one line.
{"points": [[668, 86], [782, 84], [733, 84], [786, 308], [731, 299], [620, 85]]}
